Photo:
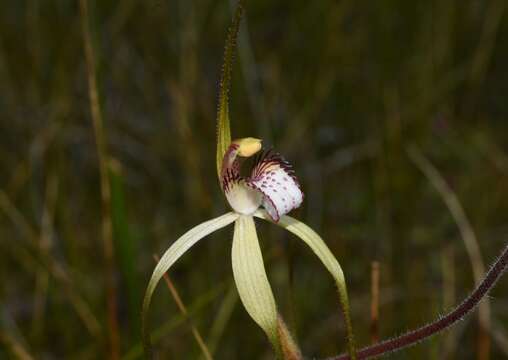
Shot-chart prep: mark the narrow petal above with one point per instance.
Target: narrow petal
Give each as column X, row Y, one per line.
column 175, row 251
column 274, row 177
column 318, row 246
column 250, row 278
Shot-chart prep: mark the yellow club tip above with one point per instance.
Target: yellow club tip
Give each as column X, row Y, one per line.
column 248, row 146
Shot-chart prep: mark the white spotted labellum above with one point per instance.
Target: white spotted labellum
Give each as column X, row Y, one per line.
column 272, row 182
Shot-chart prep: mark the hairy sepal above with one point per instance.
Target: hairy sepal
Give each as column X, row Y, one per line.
column 223, row 124
column 318, row 246
column 251, row 279
column 175, row 251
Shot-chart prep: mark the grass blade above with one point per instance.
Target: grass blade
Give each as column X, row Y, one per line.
column 126, row 246
column 102, row 151
column 223, row 316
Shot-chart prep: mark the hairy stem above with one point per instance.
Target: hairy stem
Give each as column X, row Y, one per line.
column 412, row 337
column 468, row 236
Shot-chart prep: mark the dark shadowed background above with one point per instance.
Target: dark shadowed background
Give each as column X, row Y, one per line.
column 375, row 103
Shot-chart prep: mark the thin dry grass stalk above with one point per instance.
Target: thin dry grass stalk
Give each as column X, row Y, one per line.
column 374, row 304
column 42, row 279
column 48, row 265
column 468, row 236
column 181, row 306
column 107, row 226
column 16, row 348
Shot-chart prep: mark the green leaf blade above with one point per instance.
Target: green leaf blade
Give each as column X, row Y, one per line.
column 126, row 246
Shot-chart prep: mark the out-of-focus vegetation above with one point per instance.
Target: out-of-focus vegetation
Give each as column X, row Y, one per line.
column 342, row 88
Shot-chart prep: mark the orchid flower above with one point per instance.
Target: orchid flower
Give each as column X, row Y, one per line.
column 269, row 192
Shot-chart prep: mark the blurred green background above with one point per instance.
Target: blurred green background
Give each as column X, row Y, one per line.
column 341, row 88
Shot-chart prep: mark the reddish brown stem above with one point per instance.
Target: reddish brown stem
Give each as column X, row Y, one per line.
column 374, row 302
column 412, row 337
